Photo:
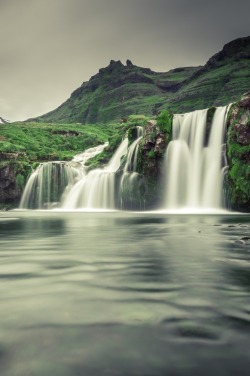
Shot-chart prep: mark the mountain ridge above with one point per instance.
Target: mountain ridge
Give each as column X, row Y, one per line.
column 120, row 90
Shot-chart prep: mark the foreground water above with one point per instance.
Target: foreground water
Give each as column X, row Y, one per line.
column 124, row 294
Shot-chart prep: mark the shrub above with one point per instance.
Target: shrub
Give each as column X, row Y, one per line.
column 164, row 121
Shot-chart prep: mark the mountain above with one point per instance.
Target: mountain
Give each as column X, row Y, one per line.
column 119, row 90
column 2, row 121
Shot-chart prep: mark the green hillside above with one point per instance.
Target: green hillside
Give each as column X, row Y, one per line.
column 119, row 90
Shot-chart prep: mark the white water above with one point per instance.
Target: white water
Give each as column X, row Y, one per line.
column 129, row 177
column 96, row 190
column 195, row 166
column 87, row 154
column 194, row 172
column 47, row 184
column 51, row 181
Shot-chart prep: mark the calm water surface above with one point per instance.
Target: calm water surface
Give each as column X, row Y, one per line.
column 124, row 294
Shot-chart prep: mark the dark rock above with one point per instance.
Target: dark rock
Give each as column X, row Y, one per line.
column 12, row 156
column 160, row 144
column 238, row 154
column 129, row 63
column 9, row 191
column 245, row 100
column 151, row 131
column 67, row 133
column 151, row 156
column 242, row 133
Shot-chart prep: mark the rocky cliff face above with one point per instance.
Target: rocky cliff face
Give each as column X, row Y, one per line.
column 121, row 90
column 238, row 153
column 11, row 181
column 152, row 153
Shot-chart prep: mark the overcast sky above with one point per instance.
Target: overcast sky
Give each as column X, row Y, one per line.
column 49, row 47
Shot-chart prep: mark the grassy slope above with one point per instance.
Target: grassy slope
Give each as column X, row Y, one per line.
column 121, row 90
column 42, row 141
column 24, row 145
column 118, row 91
column 217, row 86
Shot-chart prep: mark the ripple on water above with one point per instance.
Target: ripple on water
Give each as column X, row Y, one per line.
column 19, row 270
column 188, row 329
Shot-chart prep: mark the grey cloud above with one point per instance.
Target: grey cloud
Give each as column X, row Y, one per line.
column 49, row 47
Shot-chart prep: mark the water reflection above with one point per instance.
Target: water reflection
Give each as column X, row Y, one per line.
column 123, row 293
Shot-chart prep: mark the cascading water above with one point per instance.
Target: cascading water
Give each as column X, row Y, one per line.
column 47, row 184
column 194, row 169
column 87, row 154
column 195, row 163
column 51, row 181
column 129, row 180
column 96, row 190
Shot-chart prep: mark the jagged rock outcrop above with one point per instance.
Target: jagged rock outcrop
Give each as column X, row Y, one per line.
column 238, row 153
column 152, row 150
column 157, row 135
column 2, row 121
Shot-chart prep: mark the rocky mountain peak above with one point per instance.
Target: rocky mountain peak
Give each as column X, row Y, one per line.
column 2, row 121
column 237, row 48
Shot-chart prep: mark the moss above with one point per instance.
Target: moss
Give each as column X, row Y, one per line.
column 164, row 121
column 151, row 153
column 20, row 181
column 238, row 179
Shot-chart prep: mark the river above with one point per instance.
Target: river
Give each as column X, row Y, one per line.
column 122, row 293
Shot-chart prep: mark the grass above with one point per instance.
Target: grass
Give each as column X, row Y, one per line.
column 42, row 141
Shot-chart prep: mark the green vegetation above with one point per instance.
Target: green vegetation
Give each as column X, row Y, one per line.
column 126, row 128
column 41, row 141
column 20, row 181
column 119, row 90
column 24, row 145
column 151, row 153
column 101, row 110
column 238, row 152
column 164, row 121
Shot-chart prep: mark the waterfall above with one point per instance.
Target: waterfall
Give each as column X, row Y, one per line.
column 47, row 184
column 129, row 180
column 82, row 158
column 96, row 190
column 51, row 181
column 195, row 165
column 194, row 168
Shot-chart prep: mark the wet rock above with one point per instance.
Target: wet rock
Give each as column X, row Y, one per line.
column 245, row 100
column 9, row 191
column 150, row 135
column 243, row 130
column 238, row 155
column 151, row 157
